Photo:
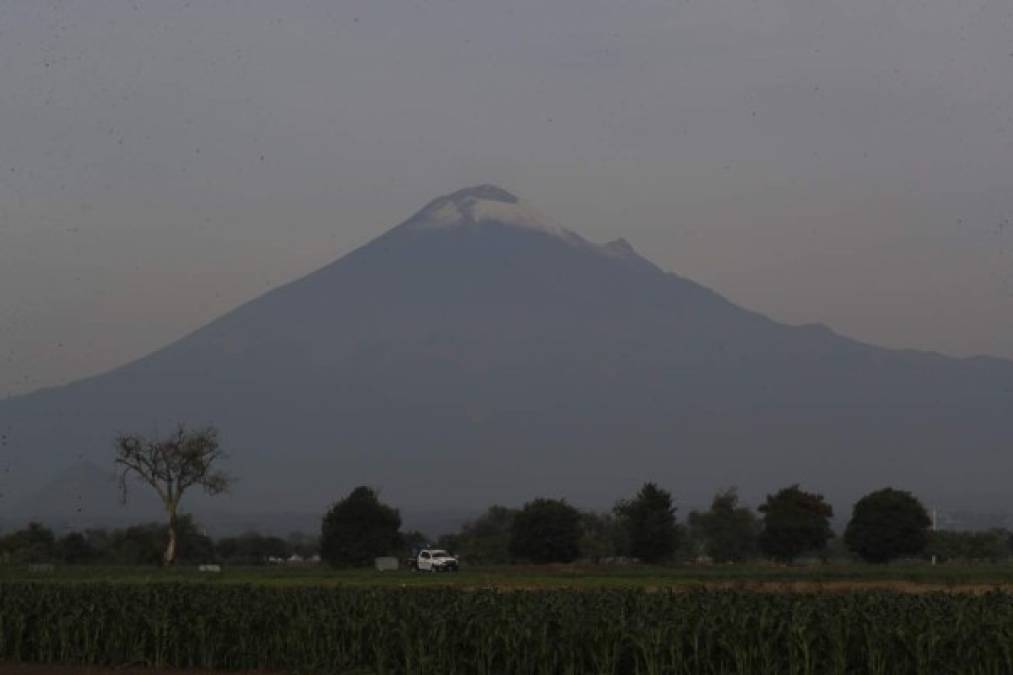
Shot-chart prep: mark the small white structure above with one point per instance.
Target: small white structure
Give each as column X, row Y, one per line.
column 214, row 569
column 386, row 564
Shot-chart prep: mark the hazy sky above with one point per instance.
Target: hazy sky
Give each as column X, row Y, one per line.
column 846, row 162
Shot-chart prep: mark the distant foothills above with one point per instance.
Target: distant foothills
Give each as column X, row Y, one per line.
column 480, row 354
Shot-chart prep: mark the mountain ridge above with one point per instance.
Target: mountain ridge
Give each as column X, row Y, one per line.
column 496, row 360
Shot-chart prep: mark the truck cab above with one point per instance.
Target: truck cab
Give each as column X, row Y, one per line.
column 435, row 560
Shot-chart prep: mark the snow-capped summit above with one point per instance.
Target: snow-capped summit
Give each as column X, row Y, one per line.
column 486, row 361
column 490, row 204
column 483, row 204
column 486, row 192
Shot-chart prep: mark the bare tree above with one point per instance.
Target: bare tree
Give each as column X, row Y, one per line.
column 171, row 466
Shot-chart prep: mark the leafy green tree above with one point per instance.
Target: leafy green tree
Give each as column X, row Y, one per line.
column 602, row 536
column 887, row 524
column 137, row 545
column 302, row 544
column 448, row 542
column 34, row 544
column 412, row 541
column 144, row 544
column 728, row 532
column 251, row 548
column 794, row 522
column 981, row 545
column 196, row 547
column 75, row 549
column 546, row 531
column 485, row 540
column 648, row 519
column 358, row 529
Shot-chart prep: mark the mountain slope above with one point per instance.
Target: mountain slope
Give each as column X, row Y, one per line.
column 479, row 353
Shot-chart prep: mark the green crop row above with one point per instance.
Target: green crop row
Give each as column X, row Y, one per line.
column 447, row 631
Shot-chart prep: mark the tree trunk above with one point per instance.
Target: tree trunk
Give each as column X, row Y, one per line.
column 169, row 558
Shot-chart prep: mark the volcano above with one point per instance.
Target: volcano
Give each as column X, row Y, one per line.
column 479, row 353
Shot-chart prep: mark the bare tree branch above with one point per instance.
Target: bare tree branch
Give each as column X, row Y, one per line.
column 171, row 466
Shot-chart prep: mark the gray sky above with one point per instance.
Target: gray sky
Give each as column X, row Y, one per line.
column 849, row 163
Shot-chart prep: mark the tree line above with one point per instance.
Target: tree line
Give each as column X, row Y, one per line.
column 144, row 544
column 885, row 525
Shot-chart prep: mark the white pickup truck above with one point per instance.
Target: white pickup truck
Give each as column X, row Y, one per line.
column 434, row 560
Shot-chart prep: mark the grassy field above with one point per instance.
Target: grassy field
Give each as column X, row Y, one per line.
column 832, row 577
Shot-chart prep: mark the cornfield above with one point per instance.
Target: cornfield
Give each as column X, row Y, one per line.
column 446, row 631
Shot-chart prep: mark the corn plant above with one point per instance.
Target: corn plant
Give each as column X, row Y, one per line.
column 423, row 631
